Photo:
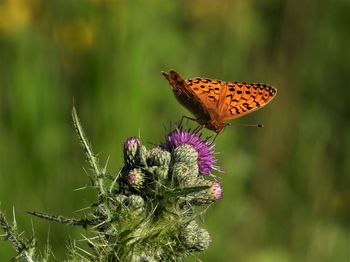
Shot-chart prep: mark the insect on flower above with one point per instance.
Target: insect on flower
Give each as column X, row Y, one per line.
column 213, row 102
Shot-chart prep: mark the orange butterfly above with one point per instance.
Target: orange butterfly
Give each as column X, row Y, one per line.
column 213, row 101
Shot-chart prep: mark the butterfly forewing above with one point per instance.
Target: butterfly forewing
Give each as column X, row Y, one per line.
column 208, row 91
column 187, row 96
column 242, row 98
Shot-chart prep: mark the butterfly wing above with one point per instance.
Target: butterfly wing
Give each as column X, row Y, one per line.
column 209, row 92
column 215, row 101
column 242, row 98
column 187, row 96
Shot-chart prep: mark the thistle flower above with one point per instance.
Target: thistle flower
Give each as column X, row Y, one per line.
column 206, row 159
column 147, row 212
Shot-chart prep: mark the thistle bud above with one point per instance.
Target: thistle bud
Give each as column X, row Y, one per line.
column 135, row 178
column 207, row 196
column 120, row 199
column 142, row 258
column 131, row 147
column 195, row 238
column 159, row 157
column 189, row 235
column 186, row 154
column 161, row 173
column 204, row 240
column 142, row 155
column 135, row 202
column 215, row 191
column 185, row 174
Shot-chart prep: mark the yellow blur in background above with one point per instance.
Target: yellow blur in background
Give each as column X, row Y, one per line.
column 286, row 185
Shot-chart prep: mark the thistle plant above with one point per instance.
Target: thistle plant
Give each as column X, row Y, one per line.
column 149, row 210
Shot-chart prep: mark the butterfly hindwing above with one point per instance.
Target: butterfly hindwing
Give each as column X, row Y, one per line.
column 207, row 90
column 187, row 96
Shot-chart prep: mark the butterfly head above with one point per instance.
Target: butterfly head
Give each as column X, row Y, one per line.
column 215, row 126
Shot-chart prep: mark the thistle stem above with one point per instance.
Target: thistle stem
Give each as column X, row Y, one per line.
column 90, row 156
column 20, row 246
column 63, row 220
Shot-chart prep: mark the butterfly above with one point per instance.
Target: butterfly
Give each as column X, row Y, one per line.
column 213, row 102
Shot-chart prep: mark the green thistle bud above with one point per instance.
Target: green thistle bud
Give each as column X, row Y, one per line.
column 142, row 155
column 135, row 202
column 120, row 199
column 135, row 178
column 204, row 240
column 185, row 174
column 161, row 173
column 195, row 238
column 159, row 157
column 186, row 154
column 142, row 258
column 188, row 235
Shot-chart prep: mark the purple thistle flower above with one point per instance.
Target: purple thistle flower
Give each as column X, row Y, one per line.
column 206, row 159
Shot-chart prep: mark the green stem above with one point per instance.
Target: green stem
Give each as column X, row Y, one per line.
column 91, row 158
column 20, row 246
column 64, row 220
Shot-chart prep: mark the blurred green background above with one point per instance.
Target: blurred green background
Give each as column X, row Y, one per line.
column 287, row 195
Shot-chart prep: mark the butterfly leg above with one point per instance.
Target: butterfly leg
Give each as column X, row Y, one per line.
column 212, row 142
column 187, row 117
column 198, row 129
column 217, row 133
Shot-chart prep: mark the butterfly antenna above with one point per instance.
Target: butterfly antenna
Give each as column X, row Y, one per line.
column 243, row 124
